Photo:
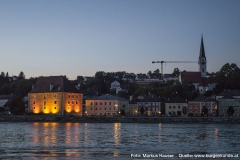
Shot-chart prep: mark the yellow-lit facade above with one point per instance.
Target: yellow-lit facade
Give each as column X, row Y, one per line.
column 55, row 103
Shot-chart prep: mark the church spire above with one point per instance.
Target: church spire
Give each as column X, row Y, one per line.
column 202, row 51
column 202, row 60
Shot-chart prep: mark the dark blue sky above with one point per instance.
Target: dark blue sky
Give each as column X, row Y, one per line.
column 78, row 37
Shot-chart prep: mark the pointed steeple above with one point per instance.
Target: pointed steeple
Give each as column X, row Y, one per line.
column 202, row 51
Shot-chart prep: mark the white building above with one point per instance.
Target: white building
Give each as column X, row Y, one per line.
column 115, row 85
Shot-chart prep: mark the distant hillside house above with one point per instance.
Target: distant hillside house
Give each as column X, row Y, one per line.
column 55, row 95
column 4, row 99
column 115, row 85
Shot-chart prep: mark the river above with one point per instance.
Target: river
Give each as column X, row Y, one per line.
column 40, row 140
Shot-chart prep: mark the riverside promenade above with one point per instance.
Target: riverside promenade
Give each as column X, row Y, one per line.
column 125, row 119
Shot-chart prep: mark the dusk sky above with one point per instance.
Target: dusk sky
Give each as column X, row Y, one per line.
column 81, row 37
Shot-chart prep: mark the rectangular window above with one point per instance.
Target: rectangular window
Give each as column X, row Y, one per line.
column 96, row 108
column 91, row 108
column 55, row 102
column 105, row 108
column 76, row 102
column 72, row 96
column 44, row 102
column 174, row 107
column 170, row 107
column 109, row 103
column 100, row 103
column 105, row 103
column 55, row 107
column 33, row 102
column 44, row 108
column 68, row 102
column 109, row 108
column 69, row 96
column 33, row 107
column 76, row 96
column 178, row 106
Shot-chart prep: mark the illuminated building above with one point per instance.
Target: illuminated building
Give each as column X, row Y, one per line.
column 55, row 95
column 106, row 105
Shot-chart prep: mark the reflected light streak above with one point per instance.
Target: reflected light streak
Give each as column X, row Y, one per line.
column 117, row 129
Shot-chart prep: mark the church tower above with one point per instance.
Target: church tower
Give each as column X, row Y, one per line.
column 202, row 61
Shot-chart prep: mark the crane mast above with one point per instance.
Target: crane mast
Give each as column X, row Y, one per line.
column 171, row 62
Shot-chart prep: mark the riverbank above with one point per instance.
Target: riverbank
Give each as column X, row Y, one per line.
column 137, row 119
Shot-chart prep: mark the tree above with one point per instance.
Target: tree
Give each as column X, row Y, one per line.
column 21, row 75
column 17, row 106
column 2, row 74
column 230, row 111
column 176, row 72
column 156, row 71
column 141, row 110
column 204, row 111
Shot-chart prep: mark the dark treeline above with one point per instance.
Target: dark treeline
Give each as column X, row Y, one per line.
column 227, row 78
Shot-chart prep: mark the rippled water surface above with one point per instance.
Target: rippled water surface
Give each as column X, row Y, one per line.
column 114, row 140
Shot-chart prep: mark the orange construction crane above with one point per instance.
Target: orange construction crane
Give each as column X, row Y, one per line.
column 171, row 62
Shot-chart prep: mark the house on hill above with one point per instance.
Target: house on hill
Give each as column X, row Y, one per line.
column 55, row 95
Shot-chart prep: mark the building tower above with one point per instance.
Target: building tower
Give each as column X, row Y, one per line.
column 202, row 61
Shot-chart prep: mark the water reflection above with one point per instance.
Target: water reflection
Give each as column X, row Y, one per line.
column 118, row 140
column 117, row 132
column 216, row 133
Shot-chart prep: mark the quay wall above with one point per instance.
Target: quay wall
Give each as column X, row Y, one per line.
column 137, row 119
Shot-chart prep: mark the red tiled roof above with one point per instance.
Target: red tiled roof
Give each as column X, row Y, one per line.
column 193, row 77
